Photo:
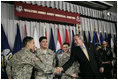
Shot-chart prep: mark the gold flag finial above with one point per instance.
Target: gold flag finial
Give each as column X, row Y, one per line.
column 95, row 28
column 78, row 25
column 79, row 30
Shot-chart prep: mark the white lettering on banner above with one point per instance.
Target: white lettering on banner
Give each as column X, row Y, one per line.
column 44, row 13
column 30, row 11
column 59, row 15
column 34, row 11
column 51, row 14
column 27, row 10
column 70, row 17
column 41, row 12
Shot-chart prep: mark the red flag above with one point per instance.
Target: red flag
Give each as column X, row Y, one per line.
column 25, row 31
column 67, row 38
column 45, row 32
column 59, row 43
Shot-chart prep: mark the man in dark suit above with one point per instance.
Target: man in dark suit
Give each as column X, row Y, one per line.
column 106, row 57
column 86, row 55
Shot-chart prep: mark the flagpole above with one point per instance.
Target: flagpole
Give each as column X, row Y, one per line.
column 95, row 29
column 78, row 25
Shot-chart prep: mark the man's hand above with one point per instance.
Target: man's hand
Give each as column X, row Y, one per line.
column 109, row 62
column 74, row 75
column 101, row 69
column 58, row 70
column 36, row 59
column 103, row 62
column 10, row 78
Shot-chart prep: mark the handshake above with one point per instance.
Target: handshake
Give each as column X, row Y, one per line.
column 59, row 70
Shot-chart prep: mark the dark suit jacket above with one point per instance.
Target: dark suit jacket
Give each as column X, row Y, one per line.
column 88, row 69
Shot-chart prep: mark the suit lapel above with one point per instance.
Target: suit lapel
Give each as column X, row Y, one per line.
column 83, row 55
column 89, row 51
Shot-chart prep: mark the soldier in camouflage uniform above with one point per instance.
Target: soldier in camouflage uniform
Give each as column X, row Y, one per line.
column 72, row 72
column 48, row 58
column 22, row 63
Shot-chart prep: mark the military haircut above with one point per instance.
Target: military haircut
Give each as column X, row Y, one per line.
column 66, row 43
column 41, row 38
column 26, row 39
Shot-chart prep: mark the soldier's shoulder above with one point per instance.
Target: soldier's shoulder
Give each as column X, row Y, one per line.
column 51, row 51
column 22, row 51
column 18, row 53
column 63, row 55
column 38, row 50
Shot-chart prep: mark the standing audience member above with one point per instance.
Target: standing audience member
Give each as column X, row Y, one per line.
column 106, row 56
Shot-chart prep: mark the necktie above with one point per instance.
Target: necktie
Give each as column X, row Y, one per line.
column 85, row 52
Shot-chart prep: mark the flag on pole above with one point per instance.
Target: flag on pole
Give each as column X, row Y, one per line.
column 67, row 38
column 115, row 39
column 85, row 39
column 95, row 38
column 110, row 41
column 36, row 39
column 101, row 39
column 18, row 42
column 89, row 37
column 45, row 31
column 73, row 44
column 59, row 45
column 106, row 38
column 52, row 43
column 6, row 53
column 25, row 31
column 5, row 45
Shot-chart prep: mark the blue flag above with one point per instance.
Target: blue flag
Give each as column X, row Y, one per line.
column 115, row 39
column 85, row 39
column 18, row 42
column 89, row 37
column 95, row 38
column 73, row 44
column 52, row 43
column 101, row 39
column 6, row 53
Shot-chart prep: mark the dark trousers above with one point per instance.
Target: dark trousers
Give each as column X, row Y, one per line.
column 107, row 71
